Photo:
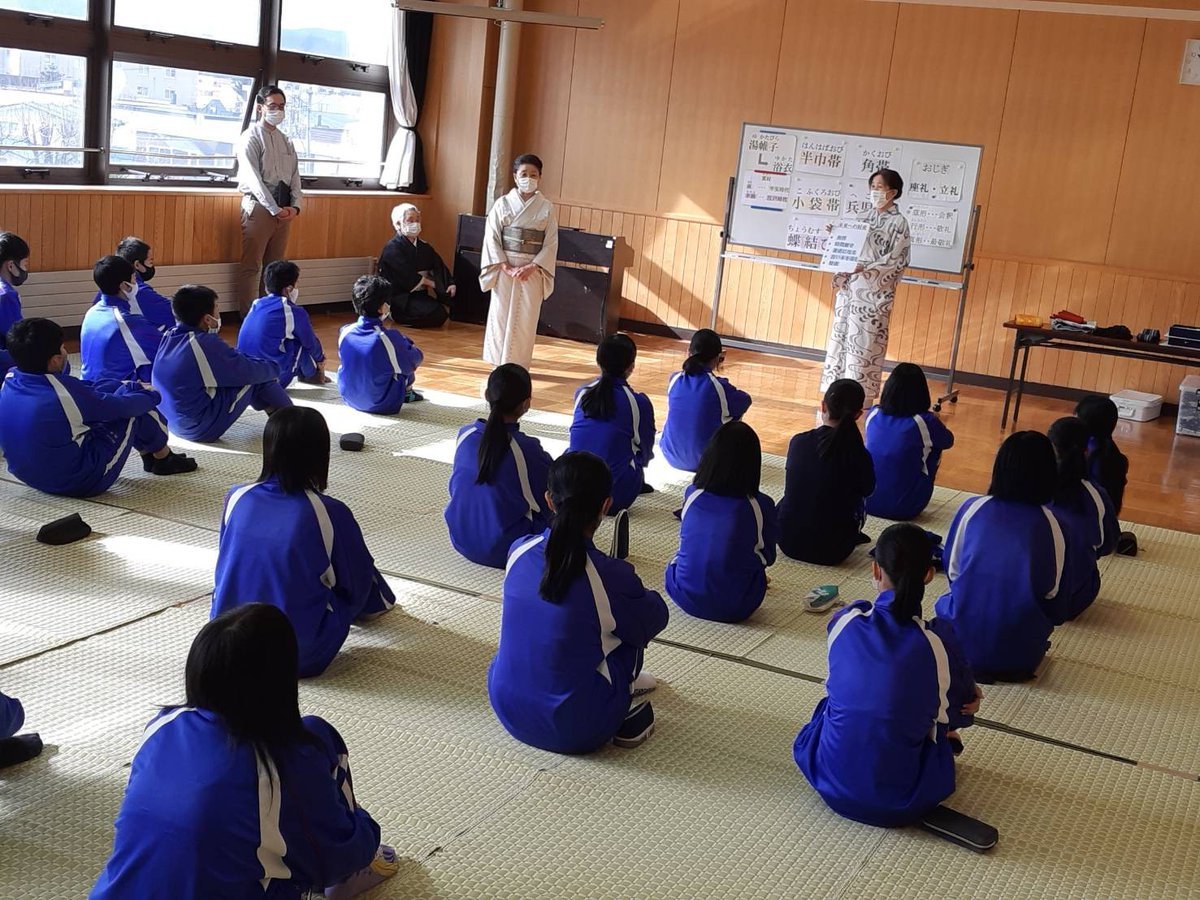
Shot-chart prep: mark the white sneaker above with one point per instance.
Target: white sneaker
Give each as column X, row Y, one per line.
column 643, row 684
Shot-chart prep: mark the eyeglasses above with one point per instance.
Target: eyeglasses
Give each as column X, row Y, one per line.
column 274, row 107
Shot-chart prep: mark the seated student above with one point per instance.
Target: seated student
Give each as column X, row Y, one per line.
column 905, row 439
column 498, row 483
column 829, row 475
column 15, row 748
column 728, row 531
column 378, row 364
column 1107, row 465
column 614, row 422
column 235, row 794
column 422, row 287
column 316, row 566
column 71, row 437
column 880, row 747
column 279, row 330
column 14, row 269
column 1005, row 562
column 574, row 627
column 699, row 402
column 1089, row 522
column 206, row 384
column 143, row 299
column 116, row 343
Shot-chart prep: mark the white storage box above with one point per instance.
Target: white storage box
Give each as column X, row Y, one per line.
column 1188, row 421
column 1138, row 406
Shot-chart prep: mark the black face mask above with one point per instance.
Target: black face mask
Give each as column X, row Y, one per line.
column 148, row 272
column 18, row 279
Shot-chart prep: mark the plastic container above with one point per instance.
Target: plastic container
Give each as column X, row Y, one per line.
column 1188, row 421
column 1138, row 406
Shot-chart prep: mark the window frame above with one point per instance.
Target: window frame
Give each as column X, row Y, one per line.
column 102, row 43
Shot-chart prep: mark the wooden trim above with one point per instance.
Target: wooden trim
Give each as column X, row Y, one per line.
column 1079, row 9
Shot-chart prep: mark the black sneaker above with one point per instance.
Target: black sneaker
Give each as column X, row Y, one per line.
column 1127, row 544
column 863, row 538
column 620, row 541
column 19, row 749
column 171, row 464
column 413, row 396
column 646, row 488
column 637, row 727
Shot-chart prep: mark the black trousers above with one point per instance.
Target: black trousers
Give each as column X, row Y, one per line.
column 419, row 310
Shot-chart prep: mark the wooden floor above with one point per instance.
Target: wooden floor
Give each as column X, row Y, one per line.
column 1164, row 477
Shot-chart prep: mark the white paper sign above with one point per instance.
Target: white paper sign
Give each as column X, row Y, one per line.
column 807, row 234
column 936, row 179
column 767, row 190
column 771, row 151
column 933, row 226
column 856, row 201
column 821, row 157
column 845, row 246
column 870, row 158
column 816, row 196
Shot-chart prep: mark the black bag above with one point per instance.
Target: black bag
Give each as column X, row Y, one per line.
column 282, row 194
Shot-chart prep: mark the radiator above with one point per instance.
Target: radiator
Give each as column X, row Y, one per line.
column 66, row 296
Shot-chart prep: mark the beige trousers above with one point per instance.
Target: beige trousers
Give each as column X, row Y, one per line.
column 264, row 240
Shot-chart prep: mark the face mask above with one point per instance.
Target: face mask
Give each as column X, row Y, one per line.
column 879, row 199
column 385, row 312
column 274, row 116
column 527, row 185
column 17, row 275
column 132, row 293
column 410, row 229
column 294, row 295
column 148, row 272
column 216, row 327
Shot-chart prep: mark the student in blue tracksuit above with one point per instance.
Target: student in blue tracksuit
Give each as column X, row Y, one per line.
column 880, row 747
column 66, row 436
column 699, row 402
column 206, row 384
column 235, row 794
column 15, row 748
column 575, row 624
column 12, row 716
column 14, row 269
column 728, row 531
column 143, row 299
column 1005, row 560
column 829, row 476
column 116, row 344
column 276, row 328
column 1089, row 522
column 614, row 422
column 378, row 365
column 905, row 439
column 1107, row 465
column 498, row 483
column 315, row 566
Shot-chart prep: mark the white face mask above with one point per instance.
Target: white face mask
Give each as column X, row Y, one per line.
column 294, row 294
column 216, row 327
column 132, row 293
column 879, row 199
column 274, row 116
column 527, row 184
column 385, row 312
column 410, row 229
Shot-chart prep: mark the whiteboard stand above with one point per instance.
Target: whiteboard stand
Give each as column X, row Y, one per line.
column 960, row 286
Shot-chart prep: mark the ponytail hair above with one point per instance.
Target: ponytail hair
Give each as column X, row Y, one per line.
column 508, row 387
column 844, row 400
column 1099, row 414
column 703, row 351
column 905, row 554
column 578, row 484
column 615, row 357
column 1069, row 436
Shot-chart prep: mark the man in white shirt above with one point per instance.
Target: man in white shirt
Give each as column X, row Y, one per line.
column 269, row 180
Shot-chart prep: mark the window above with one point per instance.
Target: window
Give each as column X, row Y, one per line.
column 67, row 9
column 336, row 131
column 187, row 118
column 41, row 107
column 359, row 29
column 233, row 21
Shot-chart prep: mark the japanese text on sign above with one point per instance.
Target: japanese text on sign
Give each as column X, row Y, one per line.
column 772, row 151
column 871, row 158
column 818, row 196
column 821, row 157
column 933, row 226
column 845, row 246
column 806, row 234
column 937, row 180
column 767, row 190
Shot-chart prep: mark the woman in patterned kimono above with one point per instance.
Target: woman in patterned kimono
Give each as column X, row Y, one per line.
column 520, row 247
column 858, row 339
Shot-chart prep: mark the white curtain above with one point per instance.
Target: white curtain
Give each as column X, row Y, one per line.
column 402, row 153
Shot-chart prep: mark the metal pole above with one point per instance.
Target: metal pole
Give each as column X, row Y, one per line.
column 951, row 393
column 506, row 101
column 716, row 302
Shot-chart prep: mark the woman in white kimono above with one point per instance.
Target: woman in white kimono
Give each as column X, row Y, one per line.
column 520, row 247
column 861, row 314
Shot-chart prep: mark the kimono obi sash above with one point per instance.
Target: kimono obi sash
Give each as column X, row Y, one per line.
column 523, row 240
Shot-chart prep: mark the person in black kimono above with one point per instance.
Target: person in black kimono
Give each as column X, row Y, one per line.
column 422, row 286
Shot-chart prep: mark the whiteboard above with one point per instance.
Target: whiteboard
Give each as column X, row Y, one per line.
column 792, row 182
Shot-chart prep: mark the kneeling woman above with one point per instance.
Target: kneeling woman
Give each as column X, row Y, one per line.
column 285, row 543
column 880, row 747
column 728, row 532
column 574, row 627
column 236, row 795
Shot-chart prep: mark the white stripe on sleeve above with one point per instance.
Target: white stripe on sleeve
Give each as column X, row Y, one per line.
column 523, row 477
column 926, row 443
column 328, row 578
column 1060, row 550
column 235, row 497
column 70, row 409
column 760, row 543
column 131, row 344
column 688, row 503
column 942, row 661
column 847, row 617
column 390, row 351
column 1099, row 502
column 205, row 367
column 721, row 398
column 953, row 567
column 608, row 640
column 271, row 845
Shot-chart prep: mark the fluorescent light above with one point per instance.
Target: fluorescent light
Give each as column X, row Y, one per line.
column 521, row 17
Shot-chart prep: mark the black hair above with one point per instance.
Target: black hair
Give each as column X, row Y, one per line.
column 267, row 90
column 906, row 392
column 133, row 249
column 892, row 179
column 615, row 356
column 527, row 159
column 1099, row 414
column 193, row 302
column 282, row 273
column 33, row 342
column 1108, row 463
column 1025, row 470
column 1069, row 436
column 244, row 666
column 370, row 293
column 905, row 554
column 578, row 483
column 844, row 399
column 731, row 465
column 12, row 248
column 110, row 272
column 296, row 449
column 703, row 350
column 508, row 387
